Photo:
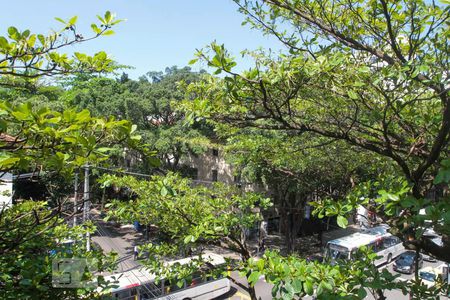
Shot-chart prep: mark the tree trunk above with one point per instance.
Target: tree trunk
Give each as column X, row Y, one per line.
column 245, row 255
column 380, row 295
column 288, row 236
column 292, row 218
column 262, row 235
column 102, row 205
column 252, row 293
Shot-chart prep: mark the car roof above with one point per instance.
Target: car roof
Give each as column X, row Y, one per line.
column 408, row 253
column 428, row 269
column 141, row 275
column 358, row 239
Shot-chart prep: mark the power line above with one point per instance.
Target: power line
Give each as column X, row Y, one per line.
column 122, row 171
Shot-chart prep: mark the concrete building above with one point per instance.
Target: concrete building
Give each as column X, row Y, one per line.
column 210, row 167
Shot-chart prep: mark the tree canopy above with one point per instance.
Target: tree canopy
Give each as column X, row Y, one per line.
column 371, row 73
column 35, row 137
column 190, row 217
column 150, row 104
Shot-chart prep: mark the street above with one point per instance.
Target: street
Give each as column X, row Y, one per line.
column 122, row 239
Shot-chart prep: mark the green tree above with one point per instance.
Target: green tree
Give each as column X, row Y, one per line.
column 371, row 73
column 190, row 217
column 293, row 277
column 167, row 129
column 32, row 237
column 148, row 103
column 297, row 170
column 36, row 137
column 28, row 55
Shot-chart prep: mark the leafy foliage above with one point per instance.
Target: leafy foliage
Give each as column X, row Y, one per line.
column 30, row 55
column 59, row 141
column 189, row 216
column 150, row 103
column 370, row 73
column 293, row 277
column 36, row 137
column 27, row 250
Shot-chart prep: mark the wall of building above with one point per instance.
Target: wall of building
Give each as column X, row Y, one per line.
column 6, row 189
column 207, row 163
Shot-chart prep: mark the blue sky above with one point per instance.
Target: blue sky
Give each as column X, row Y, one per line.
column 157, row 33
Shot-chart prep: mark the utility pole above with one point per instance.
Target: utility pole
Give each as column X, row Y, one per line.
column 86, row 206
column 75, row 196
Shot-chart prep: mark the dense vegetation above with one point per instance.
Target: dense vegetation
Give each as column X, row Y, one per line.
column 354, row 113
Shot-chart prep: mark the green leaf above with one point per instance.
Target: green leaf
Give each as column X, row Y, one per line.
column 297, row 285
column 327, row 285
column 308, row 287
column 153, row 161
column 108, row 16
column 108, row 32
column 289, row 291
column 319, row 290
column 364, row 69
column 8, row 162
column 352, row 94
column 41, row 39
column 101, row 20
column 95, row 28
column 12, row 31
column 32, row 40
column 180, row 283
column 26, row 282
column 359, row 84
column 105, row 149
column 60, row 20
column 188, row 239
column 342, row 221
column 253, row 278
column 362, row 293
column 3, row 42
column 73, row 20
column 408, row 202
column 260, row 263
column 83, row 116
column 3, row 125
column 164, row 191
column 192, row 61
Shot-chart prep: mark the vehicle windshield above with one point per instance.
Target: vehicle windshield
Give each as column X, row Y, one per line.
column 335, row 254
column 405, row 260
column 427, row 276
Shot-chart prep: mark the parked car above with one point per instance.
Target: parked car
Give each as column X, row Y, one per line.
column 430, row 275
column 405, row 262
column 438, row 241
column 429, row 258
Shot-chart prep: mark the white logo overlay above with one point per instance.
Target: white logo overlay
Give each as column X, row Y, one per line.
column 74, row 273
